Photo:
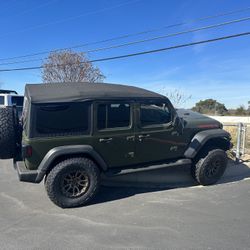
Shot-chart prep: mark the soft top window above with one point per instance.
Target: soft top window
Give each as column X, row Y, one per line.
column 62, row 119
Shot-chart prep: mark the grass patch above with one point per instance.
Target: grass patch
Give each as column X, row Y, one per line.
column 232, row 130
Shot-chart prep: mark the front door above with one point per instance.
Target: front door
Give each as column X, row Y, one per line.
column 156, row 138
column 114, row 137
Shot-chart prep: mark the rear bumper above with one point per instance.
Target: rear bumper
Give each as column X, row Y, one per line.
column 25, row 174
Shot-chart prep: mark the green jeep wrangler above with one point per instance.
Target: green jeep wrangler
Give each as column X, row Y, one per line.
column 71, row 133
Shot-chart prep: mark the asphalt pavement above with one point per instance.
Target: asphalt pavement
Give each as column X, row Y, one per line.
column 154, row 210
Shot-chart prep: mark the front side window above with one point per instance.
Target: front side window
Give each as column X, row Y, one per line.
column 154, row 114
column 113, row 115
column 62, row 119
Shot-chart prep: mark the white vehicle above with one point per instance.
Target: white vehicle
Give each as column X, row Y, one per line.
column 11, row 98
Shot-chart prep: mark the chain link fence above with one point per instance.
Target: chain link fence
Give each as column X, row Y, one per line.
column 240, row 138
column 247, row 140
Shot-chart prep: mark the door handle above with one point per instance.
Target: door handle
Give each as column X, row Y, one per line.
column 107, row 140
column 141, row 137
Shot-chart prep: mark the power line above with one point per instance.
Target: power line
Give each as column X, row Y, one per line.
column 172, row 47
column 143, row 40
column 139, row 53
column 131, row 34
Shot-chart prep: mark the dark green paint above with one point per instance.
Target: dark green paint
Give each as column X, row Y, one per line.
column 159, row 142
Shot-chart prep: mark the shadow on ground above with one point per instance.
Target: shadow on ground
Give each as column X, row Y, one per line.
column 115, row 188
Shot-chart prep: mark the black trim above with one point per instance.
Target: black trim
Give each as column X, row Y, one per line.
column 36, row 176
column 204, row 136
column 147, row 167
column 24, row 174
column 68, row 150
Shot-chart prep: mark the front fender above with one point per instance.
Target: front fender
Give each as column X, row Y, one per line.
column 201, row 138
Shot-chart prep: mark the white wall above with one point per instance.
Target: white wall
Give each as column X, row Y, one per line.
column 232, row 119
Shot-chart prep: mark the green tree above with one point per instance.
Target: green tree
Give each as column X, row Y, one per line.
column 241, row 111
column 211, row 107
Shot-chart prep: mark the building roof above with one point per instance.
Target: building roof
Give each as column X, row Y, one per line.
column 74, row 92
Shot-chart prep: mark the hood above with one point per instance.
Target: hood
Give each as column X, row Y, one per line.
column 196, row 120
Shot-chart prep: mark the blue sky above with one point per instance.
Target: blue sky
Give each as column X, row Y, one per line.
column 218, row 70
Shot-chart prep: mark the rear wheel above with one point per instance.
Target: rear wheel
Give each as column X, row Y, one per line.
column 73, row 182
column 210, row 167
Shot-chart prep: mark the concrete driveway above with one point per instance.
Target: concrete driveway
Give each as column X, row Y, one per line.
column 173, row 215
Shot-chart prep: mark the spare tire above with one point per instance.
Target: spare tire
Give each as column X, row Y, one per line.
column 9, row 132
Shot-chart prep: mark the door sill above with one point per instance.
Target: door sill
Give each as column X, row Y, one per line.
column 128, row 170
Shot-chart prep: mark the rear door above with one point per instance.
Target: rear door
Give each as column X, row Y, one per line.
column 114, row 137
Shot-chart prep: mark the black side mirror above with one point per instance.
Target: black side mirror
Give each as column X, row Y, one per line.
column 178, row 124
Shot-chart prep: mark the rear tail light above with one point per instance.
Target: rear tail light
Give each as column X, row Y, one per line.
column 26, row 151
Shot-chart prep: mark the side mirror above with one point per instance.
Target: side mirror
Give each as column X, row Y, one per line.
column 178, row 124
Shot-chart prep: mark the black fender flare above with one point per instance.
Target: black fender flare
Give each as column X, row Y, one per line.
column 202, row 137
column 67, row 150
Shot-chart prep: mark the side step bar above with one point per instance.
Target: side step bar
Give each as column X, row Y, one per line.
column 118, row 171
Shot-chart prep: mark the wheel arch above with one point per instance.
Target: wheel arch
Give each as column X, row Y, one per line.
column 61, row 153
column 217, row 138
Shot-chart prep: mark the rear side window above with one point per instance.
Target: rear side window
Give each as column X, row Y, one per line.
column 113, row 115
column 62, row 119
column 1, row 100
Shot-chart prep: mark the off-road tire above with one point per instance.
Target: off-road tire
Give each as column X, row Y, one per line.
column 210, row 167
column 55, row 177
column 9, row 133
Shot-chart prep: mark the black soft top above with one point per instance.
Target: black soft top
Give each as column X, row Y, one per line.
column 75, row 92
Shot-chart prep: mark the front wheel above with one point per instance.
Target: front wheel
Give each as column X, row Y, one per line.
column 73, row 182
column 210, row 167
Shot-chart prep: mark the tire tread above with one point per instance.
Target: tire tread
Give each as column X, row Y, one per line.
column 52, row 175
column 8, row 130
column 199, row 168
